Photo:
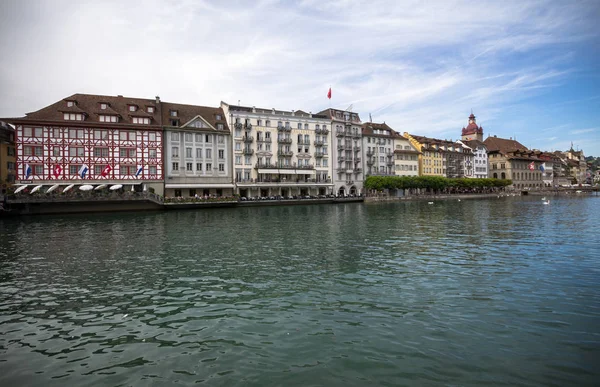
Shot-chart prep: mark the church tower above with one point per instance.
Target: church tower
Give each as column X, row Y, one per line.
column 472, row 131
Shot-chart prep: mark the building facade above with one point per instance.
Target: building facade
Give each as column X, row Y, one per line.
column 198, row 160
column 378, row 149
column 509, row 159
column 472, row 136
column 279, row 153
column 442, row 158
column 346, row 151
column 88, row 139
column 7, row 156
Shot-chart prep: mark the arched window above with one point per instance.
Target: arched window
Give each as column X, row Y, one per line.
column 495, row 175
column 503, row 175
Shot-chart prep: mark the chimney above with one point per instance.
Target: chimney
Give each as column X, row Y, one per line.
column 120, row 96
column 253, row 109
column 157, row 99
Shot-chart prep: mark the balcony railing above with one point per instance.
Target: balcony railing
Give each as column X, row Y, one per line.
column 284, row 140
column 266, row 140
column 303, row 142
column 341, row 158
column 357, row 170
column 248, row 126
column 339, row 133
column 319, row 142
column 321, row 131
column 247, row 151
column 284, row 128
column 357, row 159
column 356, row 135
column 248, row 138
column 370, row 162
column 238, row 125
column 283, row 166
column 350, row 182
column 285, row 153
column 357, row 148
column 370, row 153
column 320, row 154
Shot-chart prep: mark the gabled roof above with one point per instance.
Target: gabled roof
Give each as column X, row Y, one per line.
column 186, row 113
column 474, row 143
column 503, row 145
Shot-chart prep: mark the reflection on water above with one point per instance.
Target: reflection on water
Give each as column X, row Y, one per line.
column 501, row 292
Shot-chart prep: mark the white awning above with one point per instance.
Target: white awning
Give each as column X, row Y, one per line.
column 198, row 185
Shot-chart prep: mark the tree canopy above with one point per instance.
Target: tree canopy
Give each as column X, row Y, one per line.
column 432, row 182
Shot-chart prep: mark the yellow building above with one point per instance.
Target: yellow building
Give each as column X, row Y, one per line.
column 431, row 159
column 7, row 156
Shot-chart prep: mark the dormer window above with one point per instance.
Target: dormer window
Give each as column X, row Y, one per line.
column 174, row 122
column 107, row 118
column 173, row 113
column 70, row 103
column 103, row 106
column 218, row 117
column 150, row 109
column 132, row 108
column 141, row 120
column 73, row 116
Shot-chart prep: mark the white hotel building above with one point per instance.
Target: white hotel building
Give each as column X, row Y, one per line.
column 279, row 153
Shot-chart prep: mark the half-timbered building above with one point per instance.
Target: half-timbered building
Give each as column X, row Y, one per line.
column 92, row 139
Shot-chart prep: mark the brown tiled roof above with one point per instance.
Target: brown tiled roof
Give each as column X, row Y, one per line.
column 185, row 113
column 502, row 145
column 331, row 114
column 368, row 129
column 258, row 110
column 90, row 105
column 474, row 143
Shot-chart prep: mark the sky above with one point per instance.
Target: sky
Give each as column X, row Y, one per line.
column 528, row 70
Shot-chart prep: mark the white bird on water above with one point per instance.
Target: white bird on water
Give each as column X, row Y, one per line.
column 459, row 200
column 544, row 198
column 429, row 202
column 547, row 202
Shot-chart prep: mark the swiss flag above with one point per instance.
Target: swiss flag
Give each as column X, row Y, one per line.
column 106, row 170
column 532, row 166
column 329, row 93
column 57, row 170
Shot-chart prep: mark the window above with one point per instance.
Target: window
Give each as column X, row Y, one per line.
column 132, row 108
column 100, row 152
column 189, row 137
column 174, row 122
column 105, row 118
column 221, row 139
column 127, row 152
column 150, row 109
column 103, row 106
column 218, row 117
column 267, row 123
column 188, row 153
column 175, row 151
column 199, row 167
column 247, row 160
column 38, row 150
column 73, row 116
column 258, row 123
column 221, row 154
column 70, row 103
column 38, row 169
column 238, row 160
column 174, row 136
column 151, row 136
column 287, row 125
column 100, row 134
column 209, row 153
column 74, row 169
column 152, row 153
column 267, row 135
column 10, row 151
column 175, row 167
column 299, row 125
column 152, row 170
column 125, row 135
column 305, row 126
column 199, row 153
column 221, row 167
column 141, row 120
column 208, row 167
column 188, row 167
column 98, row 170
column 173, row 113
column 208, row 138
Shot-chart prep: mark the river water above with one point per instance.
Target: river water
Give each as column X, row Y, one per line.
column 503, row 291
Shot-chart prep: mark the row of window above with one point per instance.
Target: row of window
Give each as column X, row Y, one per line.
column 189, row 153
column 199, row 138
column 407, row 167
column 267, row 123
column 123, row 135
column 96, row 170
column 408, row 157
column 189, row 167
column 380, row 141
column 80, row 152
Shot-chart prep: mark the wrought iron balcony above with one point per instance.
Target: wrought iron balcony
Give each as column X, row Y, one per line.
column 357, row 148
column 350, row 182
column 303, row 142
column 285, row 153
column 248, row 138
column 357, row 170
column 321, row 131
column 284, row 129
column 266, row 140
column 248, row 126
column 357, row 159
column 339, row 133
column 341, row 158
column 284, row 140
column 370, row 162
column 390, row 162
column 238, row 125
column 370, row 153
column 320, row 154
column 248, row 151
column 356, row 135
column 319, row 142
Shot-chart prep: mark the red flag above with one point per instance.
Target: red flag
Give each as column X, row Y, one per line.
column 106, row 170
column 531, row 166
column 57, row 170
column 329, row 93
